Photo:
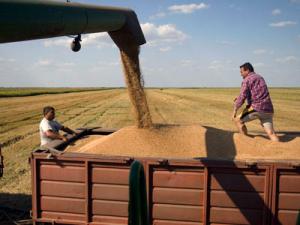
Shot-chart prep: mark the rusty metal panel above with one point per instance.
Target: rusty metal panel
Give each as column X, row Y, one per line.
column 288, row 201
column 286, row 194
column 232, row 199
column 237, row 181
column 62, row 189
column 178, row 179
column 62, row 216
column 238, row 195
column 110, row 208
column 177, row 212
column 287, row 217
column 104, row 220
column 80, row 191
column 64, row 205
column 110, row 175
column 61, row 172
column 210, row 192
column 110, row 192
column 175, row 194
column 235, row 216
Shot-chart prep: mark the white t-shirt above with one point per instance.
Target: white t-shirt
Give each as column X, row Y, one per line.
column 46, row 125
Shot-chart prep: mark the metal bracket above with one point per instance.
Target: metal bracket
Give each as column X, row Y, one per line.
column 129, row 160
column 163, row 162
column 295, row 165
column 52, row 152
column 251, row 164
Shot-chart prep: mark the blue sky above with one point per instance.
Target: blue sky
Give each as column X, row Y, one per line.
column 189, row 44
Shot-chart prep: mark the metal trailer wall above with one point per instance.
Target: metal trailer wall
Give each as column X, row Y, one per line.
column 75, row 188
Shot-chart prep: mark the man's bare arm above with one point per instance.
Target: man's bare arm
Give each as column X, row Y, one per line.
column 235, row 109
column 68, row 130
column 53, row 135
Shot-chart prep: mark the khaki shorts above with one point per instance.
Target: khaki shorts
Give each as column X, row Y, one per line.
column 266, row 119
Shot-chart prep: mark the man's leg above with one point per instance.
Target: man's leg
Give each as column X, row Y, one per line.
column 267, row 123
column 241, row 126
column 271, row 133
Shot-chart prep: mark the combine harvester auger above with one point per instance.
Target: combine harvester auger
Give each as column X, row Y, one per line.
column 22, row 20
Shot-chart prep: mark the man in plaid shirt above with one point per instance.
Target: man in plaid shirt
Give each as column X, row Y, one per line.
column 259, row 104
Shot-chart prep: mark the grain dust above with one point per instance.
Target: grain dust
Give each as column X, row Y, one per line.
column 129, row 51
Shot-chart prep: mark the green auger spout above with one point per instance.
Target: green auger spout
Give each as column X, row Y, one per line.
column 22, row 20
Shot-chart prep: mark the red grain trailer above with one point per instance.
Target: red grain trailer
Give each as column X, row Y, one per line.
column 78, row 188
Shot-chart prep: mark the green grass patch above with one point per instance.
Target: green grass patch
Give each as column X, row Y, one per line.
column 21, row 92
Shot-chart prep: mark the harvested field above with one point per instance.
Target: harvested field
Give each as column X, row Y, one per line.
column 20, row 116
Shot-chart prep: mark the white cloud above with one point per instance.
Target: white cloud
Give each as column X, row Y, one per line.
column 283, row 23
column 8, row 64
column 61, row 66
column 165, row 49
column 276, row 12
column 102, row 65
column 258, row 65
column 288, row 59
column 218, row 65
column 158, row 15
column 98, row 39
column 44, row 62
column 10, row 60
column 187, row 62
column 66, row 64
column 294, row 1
column 187, row 8
column 180, row 9
column 155, row 34
column 161, row 34
column 64, row 41
column 259, row 51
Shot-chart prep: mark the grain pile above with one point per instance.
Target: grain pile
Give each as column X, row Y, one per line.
column 189, row 141
column 82, row 142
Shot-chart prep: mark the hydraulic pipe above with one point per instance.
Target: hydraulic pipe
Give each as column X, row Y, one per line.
column 22, row 20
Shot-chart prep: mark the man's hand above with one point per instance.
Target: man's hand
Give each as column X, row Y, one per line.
column 233, row 115
column 54, row 135
column 64, row 138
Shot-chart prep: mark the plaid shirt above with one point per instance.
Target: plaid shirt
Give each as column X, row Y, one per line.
column 255, row 90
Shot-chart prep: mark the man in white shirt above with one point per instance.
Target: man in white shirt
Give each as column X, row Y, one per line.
column 49, row 127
